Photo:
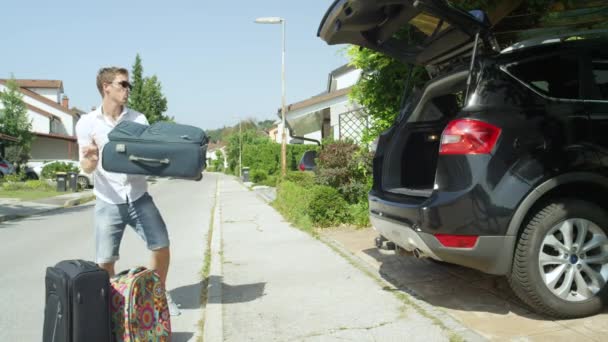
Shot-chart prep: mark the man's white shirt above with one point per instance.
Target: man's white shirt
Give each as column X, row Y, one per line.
column 111, row 187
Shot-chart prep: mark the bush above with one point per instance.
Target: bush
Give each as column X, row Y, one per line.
column 293, row 201
column 346, row 167
column 302, row 178
column 48, row 172
column 270, row 181
column 327, row 207
column 258, row 176
column 359, row 214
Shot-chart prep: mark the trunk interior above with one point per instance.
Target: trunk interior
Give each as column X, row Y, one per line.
column 410, row 161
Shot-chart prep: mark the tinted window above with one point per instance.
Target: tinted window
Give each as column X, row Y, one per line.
column 555, row 76
column 600, row 77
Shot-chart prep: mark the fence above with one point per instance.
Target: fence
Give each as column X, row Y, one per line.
column 351, row 125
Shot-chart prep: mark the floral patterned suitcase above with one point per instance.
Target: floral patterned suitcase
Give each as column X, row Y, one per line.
column 139, row 307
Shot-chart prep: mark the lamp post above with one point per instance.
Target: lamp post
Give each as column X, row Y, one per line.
column 278, row 20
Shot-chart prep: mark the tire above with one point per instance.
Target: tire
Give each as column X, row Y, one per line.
column 83, row 182
column 563, row 286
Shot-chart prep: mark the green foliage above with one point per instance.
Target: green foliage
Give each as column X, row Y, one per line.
column 15, row 122
column 258, row 176
column 137, row 80
column 305, row 179
column 327, row 207
column 346, row 167
column 292, row 202
column 27, row 185
column 48, row 172
column 15, row 177
column 359, row 214
column 270, row 181
column 146, row 96
column 218, row 163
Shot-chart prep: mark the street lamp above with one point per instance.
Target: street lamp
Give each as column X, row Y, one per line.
column 278, row 20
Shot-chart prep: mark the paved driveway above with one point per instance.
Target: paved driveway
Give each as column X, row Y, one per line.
column 482, row 302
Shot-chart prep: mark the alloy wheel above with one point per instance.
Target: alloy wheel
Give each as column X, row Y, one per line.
column 573, row 259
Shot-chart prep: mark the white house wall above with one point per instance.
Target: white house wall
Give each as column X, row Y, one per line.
column 40, row 123
column 66, row 126
column 51, row 94
column 348, row 79
column 314, row 135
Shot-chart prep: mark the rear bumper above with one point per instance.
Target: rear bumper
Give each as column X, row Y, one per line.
column 491, row 254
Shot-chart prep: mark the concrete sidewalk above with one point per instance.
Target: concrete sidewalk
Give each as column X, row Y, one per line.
column 272, row 282
column 11, row 209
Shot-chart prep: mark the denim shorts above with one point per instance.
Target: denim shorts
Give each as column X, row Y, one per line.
column 112, row 219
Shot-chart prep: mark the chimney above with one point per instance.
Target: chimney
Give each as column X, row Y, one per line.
column 65, row 102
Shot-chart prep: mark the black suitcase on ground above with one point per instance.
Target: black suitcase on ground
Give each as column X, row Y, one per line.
column 77, row 303
column 162, row 149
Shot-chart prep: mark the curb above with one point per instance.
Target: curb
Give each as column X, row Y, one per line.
column 214, row 323
column 69, row 203
column 449, row 322
column 77, row 201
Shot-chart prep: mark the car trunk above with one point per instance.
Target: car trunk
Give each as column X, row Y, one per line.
column 410, row 153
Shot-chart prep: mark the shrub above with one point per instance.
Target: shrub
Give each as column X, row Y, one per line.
column 346, row 167
column 48, row 172
column 327, row 207
column 359, row 214
column 258, row 176
column 27, row 185
column 293, row 201
column 302, row 178
column 270, row 181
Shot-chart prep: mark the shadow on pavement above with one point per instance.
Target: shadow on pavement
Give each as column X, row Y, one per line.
column 450, row 286
column 233, row 294
column 181, row 336
column 189, row 296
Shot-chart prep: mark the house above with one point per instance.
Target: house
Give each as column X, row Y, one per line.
column 331, row 113
column 276, row 132
column 53, row 123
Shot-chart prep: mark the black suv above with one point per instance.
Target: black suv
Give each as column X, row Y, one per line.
column 501, row 162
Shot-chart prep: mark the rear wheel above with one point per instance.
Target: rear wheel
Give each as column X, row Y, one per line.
column 560, row 266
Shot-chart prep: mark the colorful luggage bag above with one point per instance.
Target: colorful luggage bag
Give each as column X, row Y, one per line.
column 139, row 307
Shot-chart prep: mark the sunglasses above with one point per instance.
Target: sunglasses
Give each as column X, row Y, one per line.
column 125, row 85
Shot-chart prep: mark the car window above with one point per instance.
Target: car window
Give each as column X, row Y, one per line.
column 555, row 76
column 599, row 67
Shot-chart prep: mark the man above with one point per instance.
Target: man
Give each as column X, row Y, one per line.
column 121, row 199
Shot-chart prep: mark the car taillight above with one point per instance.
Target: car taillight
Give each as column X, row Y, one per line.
column 467, row 136
column 457, row 241
column 3, row 165
column 301, row 167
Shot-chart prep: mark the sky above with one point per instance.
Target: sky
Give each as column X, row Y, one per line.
column 216, row 66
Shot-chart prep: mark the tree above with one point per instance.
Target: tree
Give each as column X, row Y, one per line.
column 146, row 96
column 15, row 122
column 137, row 80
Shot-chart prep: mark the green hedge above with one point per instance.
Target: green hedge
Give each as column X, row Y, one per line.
column 48, row 172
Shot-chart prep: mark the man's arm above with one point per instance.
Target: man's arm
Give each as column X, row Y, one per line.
column 89, row 152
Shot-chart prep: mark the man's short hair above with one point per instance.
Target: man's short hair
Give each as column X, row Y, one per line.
column 107, row 75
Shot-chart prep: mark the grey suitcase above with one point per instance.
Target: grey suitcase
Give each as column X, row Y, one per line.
column 162, row 149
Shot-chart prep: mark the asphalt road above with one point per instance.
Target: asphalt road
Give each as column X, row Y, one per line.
column 30, row 245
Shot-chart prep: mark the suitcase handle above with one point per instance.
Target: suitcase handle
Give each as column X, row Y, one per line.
column 149, row 160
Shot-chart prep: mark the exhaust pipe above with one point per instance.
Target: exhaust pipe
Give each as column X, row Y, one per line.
column 419, row 254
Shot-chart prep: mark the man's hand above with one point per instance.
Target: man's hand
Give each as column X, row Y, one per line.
column 90, row 157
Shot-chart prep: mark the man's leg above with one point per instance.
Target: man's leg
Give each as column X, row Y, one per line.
column 160, row 263
column 108, row 267
column 110, row 223
column 149, row 224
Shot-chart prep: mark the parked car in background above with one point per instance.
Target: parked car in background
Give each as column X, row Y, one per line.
column 34, row 171
column 6, row 168
column 499, row 164
column 307, row 162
